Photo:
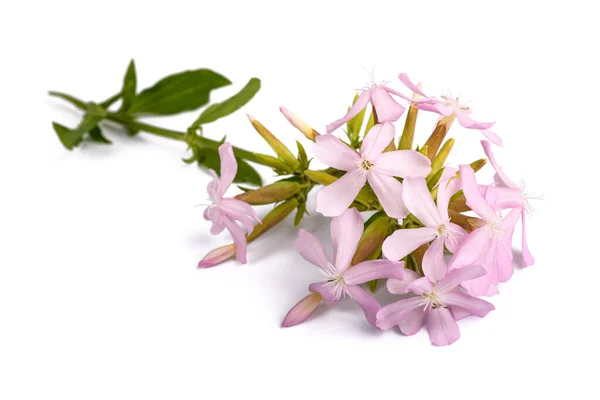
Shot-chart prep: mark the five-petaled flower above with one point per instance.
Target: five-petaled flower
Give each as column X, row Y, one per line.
column 448, row 106
column 341, row 279
column 438, row 227
column 374, row 165
column 436, row 302
column 225, row 212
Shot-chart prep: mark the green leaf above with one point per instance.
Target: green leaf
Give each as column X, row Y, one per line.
column 229, row 106
column 300, row 213
column 185, row 91
column 67, row 97
column 302, row 157
column 129, row 87
column 209, row 158
column 97, row 136
column 70, row 138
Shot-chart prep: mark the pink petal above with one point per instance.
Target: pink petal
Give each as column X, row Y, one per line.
column 492, row 137
column 527, row 257
column 420, row 286
column 456, row 237
column 367, row 302
column 396, row 286
column 418, row 200
column 459, row 313
column 403, row 163
column 311, row 249
column 487, row 148
column 446, row 189
column 412, row 322
column 474, row 198
column 213, row 187
column 456, row 277
column 301, row 311
column 440, row 108
column 393, row 314
column 377, row 140
column 217, row 256
column 470, row 304
column 333, row 152
column 405, row 241
column 324, row 289
column 228, row 168
column 213, row 214
column 240, row 211
column 346, row 230
column 434, row 265
column 442, row 327
column 333, row 199
column 239, row 238
column 404, row 79
column 472, row 249
column 389, row 193
column 357, row 107
column 374, row 269
column 465, row 121
column 387, row 109
column 501, row 197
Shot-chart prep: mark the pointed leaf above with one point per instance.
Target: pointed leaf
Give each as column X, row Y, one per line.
column 129, row 87
column 229, row 106
column 184, row 91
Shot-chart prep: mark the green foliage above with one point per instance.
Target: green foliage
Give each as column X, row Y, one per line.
column 185, row 91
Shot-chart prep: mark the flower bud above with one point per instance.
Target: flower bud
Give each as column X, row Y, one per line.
column 279, row 148
column 299, row 124
column 272, row 193
column 276, row 215
column 408, row 133
column 302, row 310
column 217, row 256
column 273, row 162
column 441, row 157
column 372, row 237
column 438, row 135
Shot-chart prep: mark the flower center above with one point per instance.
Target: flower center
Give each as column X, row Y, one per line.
column 454, row 103
column 366, row 165
column 433, row 300
column 337, row 285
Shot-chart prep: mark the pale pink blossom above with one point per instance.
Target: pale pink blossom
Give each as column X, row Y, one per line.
column 373, row 165
column 489, row 245
column 438, row 228
column 341, row 280
column 448, row 106
column 506, row 194
column 437, row 303
column 225, row 212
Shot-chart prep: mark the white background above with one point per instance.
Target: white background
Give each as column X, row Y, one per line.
column 99, row 294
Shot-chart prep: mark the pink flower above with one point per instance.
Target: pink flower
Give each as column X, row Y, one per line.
column 341, row 280
column 438, row 227
column 372, row 165
column 228, row 213
column 387, row 109
column 489, row 245
column 436, row 303
column 505, row 194
column 448, row 106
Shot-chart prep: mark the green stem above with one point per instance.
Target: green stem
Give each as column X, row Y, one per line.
column 198, row 141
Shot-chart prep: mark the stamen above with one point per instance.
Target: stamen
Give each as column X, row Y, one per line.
column 336, row 281
column 527, row 197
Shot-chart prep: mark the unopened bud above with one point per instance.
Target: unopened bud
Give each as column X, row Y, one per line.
column 273, row 162
column 278, row 147
column 276, row 215
column 408, row 133
column 299, row 124
column 272, row 193
column 438, row 135
column 217, row 256
column 301, row 311
column 372, row 237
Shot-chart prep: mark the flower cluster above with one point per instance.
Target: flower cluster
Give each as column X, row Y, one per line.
column 420, row 209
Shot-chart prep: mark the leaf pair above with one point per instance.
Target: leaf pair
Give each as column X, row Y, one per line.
column 71, row 138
